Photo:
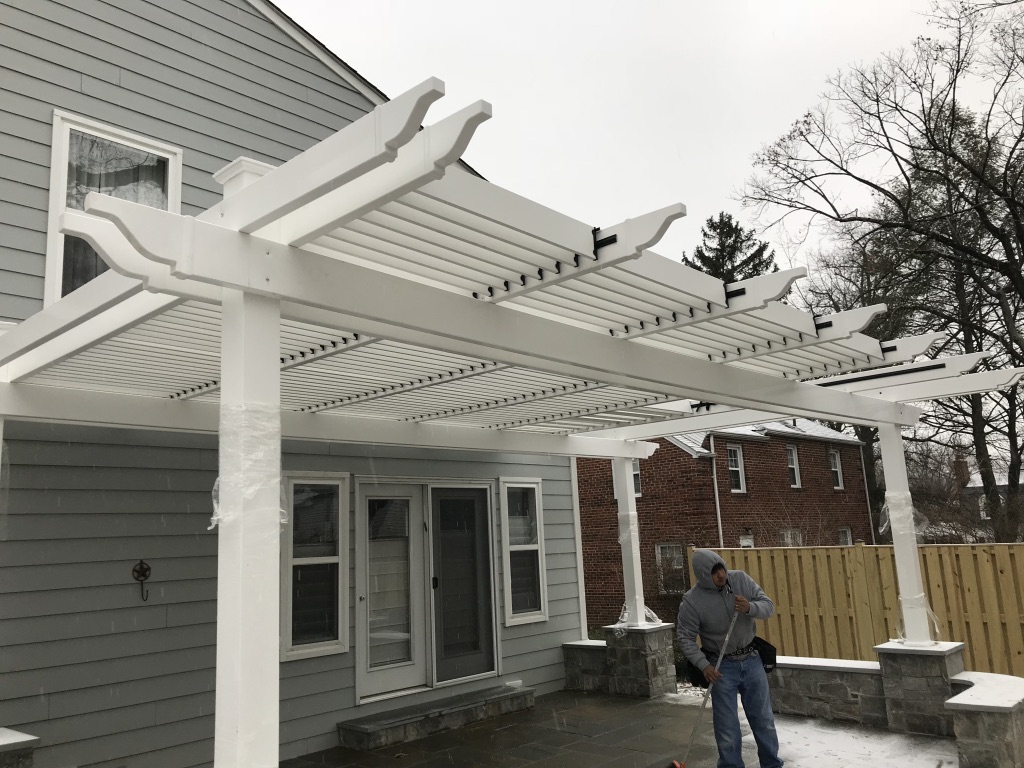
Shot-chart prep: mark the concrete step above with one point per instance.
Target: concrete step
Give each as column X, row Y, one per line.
column 398, row 726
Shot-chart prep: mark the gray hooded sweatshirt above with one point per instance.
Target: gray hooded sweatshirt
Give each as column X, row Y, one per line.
column 707, row 610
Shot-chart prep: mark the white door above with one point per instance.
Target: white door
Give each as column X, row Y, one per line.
column 391, row 593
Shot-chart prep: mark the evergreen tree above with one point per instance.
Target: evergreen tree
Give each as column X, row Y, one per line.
column 730, row 252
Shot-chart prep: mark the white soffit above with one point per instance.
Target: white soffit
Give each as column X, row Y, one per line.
column 381, row 198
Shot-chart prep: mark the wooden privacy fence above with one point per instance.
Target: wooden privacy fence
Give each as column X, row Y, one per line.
column 839, row 602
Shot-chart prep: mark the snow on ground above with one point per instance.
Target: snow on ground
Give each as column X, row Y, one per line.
column 808, row 743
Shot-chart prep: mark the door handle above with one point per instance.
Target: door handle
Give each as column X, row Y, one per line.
column 433, row 582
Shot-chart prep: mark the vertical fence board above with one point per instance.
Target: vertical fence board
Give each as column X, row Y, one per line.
column 840, row 602
column 991, row 610
column 977, row 646
column 1008, row 573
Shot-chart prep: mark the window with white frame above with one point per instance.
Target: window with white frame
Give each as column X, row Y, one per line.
column 845, row 537
column 636, row 477
column 836, row 465
column 791, row 537
column 314, row 573
column 88, row 156
column 671, row 563
column 747, row 540
column 793, row 465
column 737, row 480
column 522, row 539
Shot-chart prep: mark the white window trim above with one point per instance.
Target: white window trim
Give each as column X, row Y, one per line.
column 63, row 123
column 506, row 572
column 288, row 652
column 848, row 537
column 728, row 468
column 793, row 454
column 636, row 479
column 837, row 470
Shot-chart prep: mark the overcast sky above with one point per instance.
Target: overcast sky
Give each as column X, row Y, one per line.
column 606, row 110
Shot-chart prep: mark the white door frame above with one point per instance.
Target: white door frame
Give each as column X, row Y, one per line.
column 492, row 568
column 364, row 487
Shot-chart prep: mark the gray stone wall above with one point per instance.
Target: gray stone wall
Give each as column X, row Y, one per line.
column 830, row 692
column 633, row 661
column 917, row 685
column 586, row 666
column 989, row 739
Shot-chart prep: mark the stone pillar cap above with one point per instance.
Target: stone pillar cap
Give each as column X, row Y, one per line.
column 935, row 649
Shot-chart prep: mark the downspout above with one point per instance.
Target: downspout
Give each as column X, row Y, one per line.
column 714, row 481
column 867, row 495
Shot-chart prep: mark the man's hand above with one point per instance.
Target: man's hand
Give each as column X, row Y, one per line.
column 742, row 604
column 711, row 674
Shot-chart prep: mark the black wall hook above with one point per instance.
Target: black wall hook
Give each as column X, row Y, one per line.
column 140, row 573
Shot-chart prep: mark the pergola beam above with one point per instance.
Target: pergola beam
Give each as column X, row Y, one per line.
column 29, row 402
column 431, row 317
column 932, row 380
column 612, row 246
column 423, row 159
column 740, row 297
column 368, row 143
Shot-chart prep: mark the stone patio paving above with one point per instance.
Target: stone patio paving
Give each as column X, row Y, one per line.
column 593, row 729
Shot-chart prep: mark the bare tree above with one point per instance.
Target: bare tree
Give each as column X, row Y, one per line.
column 939, row 174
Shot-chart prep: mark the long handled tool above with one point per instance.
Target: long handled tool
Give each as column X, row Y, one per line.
column 707, row 694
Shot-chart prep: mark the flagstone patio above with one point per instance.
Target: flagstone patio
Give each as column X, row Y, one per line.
column 589, row 729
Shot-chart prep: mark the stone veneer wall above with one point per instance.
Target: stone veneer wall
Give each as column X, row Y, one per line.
column 989, row 739
column 918, row 682
column 829, row 688
column 633, row 661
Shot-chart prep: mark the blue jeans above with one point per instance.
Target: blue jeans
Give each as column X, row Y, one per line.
column 748, row 679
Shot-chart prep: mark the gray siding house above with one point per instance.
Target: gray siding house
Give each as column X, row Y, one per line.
column 305, row 452
column 147, row 100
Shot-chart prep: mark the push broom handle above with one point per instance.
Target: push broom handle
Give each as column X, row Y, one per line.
column 707, row 693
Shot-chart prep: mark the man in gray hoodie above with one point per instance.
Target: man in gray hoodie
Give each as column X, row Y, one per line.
column 707, row 610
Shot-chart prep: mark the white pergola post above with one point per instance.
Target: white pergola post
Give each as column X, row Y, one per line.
column 629, row 541
column 913, row 603
column 249, row 527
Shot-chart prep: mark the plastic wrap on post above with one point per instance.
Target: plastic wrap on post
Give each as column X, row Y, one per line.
column 620, row 626
column 632, row 529
column 903, row 523
column 250, row 444
column 917, row 601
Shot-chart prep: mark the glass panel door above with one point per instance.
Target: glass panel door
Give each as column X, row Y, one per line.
column 391, row 612
column 461, row 582
column 389, row 590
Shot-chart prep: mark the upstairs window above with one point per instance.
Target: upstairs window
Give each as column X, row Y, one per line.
column 836, row 464
column 793, row 465
column 636, row 477
column 737, row 480
column 89, row 157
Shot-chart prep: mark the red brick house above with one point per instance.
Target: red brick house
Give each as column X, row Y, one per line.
column 786, row 483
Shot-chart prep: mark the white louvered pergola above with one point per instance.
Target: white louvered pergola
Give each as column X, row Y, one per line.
column 369, row 292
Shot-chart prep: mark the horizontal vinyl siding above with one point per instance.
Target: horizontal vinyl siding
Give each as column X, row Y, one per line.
column 108, row 680
column 216, row 79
